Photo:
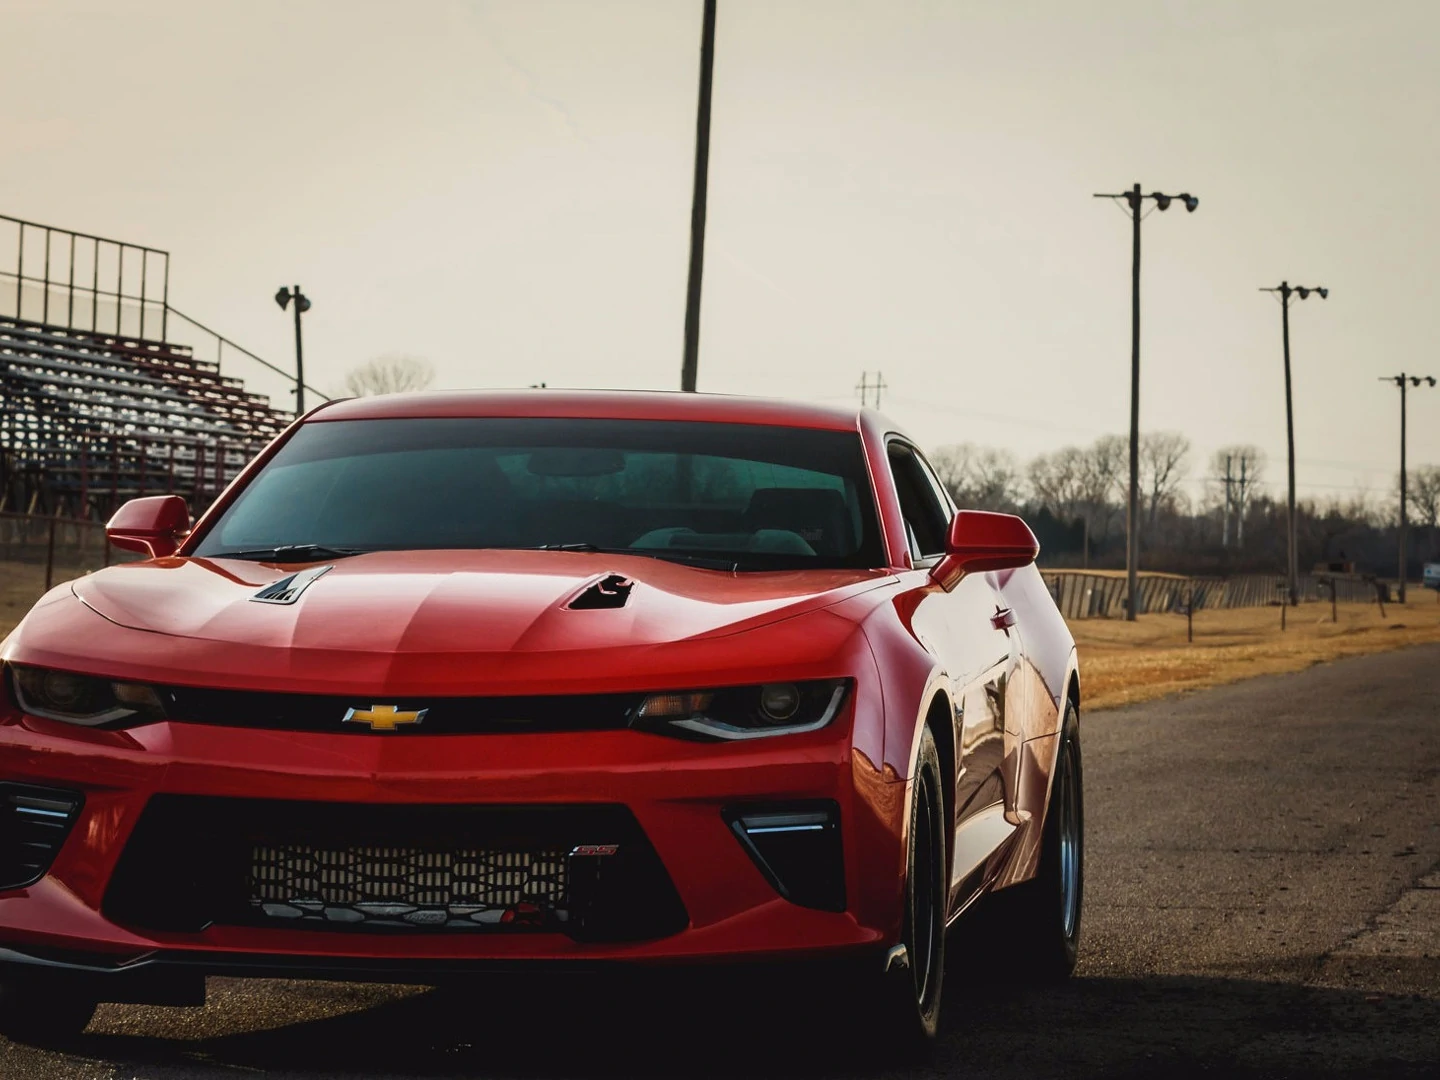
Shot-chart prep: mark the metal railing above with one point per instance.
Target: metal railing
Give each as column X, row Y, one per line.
column 79, row 281
column 220, row 343
column 70, row 275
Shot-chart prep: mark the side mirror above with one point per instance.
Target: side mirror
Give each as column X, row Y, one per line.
column 154, row 525
column 980, row 541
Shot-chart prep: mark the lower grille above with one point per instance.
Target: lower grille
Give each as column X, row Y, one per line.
column 410, row 887
column 34, row 822
column 587, row 871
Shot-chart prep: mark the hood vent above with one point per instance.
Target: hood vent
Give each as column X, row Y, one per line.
column 610, row 591
column 288, row 589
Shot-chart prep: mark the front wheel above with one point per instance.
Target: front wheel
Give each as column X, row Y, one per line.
column 43, row 1015
column 906, row 996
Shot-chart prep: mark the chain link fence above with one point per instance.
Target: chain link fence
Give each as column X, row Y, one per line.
column 61, row 548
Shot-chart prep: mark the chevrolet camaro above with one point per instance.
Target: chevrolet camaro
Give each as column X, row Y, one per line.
column 452, row 682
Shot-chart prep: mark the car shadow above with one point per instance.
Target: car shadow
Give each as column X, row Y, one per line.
column 661, row 1025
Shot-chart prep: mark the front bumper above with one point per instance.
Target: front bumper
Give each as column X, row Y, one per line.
column 678, row 792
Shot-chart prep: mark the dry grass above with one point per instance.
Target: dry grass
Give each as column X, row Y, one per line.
column 1125, row 662
column 21, row 584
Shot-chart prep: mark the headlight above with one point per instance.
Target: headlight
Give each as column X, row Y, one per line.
column 743, row 712
column 84, row 699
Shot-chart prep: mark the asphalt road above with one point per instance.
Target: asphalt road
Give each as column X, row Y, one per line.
column 1263, row 899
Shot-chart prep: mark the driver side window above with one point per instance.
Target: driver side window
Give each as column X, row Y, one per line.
column 926, row 513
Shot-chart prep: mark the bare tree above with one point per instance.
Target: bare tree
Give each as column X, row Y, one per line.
column 392, row 374
column 1103, row 466
column 1057, row 482
column 979, row 477
column 1163, row 467
column 1423, row 494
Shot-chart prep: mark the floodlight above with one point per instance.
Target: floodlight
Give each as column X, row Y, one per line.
column 1190, row 201
column 1162, row 201
column 1323, row 293
column 1303, row 291
column 282, row 297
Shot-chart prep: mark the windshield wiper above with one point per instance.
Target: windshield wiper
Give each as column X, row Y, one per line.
column 711, row 562
column 292, row 553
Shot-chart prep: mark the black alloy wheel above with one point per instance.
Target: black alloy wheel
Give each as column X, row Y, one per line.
column 909, row 1005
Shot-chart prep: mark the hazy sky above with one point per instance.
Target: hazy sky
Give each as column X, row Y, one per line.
column 503, row 188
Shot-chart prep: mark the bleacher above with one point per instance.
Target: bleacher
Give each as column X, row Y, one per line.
column 89, row 420
column 94, row 409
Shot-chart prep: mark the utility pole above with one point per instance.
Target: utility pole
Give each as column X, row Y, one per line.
column 690, row 368
column 864, row 386
column 1285, row 291
column 1136, row 201
column 1400, row 381
column 283, row 296
column 1225, row 525
column 1240, row 507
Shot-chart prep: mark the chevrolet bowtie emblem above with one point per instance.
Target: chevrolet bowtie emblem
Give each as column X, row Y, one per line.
column 383, row 717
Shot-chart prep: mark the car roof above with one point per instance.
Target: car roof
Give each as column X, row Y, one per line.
column 601, row 404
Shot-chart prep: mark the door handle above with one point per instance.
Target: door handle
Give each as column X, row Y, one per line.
column 1003, row 619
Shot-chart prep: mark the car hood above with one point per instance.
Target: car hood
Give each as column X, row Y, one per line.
column 434, row 602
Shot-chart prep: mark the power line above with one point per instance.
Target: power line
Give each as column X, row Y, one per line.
column 1135, row 198
column 866, row 388
column 1402, row 380
column 1285, row 290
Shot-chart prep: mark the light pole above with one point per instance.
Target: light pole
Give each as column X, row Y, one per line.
column 1285, row 291
column 1400, row 381
column 689, row 368
column 283, row 296
column 1136, row 200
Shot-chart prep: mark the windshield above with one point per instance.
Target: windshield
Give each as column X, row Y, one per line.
column 742, row 496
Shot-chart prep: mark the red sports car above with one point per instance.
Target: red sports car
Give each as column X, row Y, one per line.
column 448, row 682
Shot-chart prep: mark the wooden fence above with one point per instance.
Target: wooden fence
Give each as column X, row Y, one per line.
column 1088, row 594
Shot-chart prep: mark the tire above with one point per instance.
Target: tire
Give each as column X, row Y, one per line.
column 1039, row 920
column 44, row 1015
column 907, row 997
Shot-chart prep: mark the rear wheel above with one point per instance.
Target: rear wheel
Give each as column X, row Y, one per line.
column 1040, row 919
column 43, row 1014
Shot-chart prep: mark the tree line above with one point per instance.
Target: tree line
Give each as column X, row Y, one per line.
column 1227, row 521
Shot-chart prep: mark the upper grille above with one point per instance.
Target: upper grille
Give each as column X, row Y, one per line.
column 34, row 822
column 442, row 716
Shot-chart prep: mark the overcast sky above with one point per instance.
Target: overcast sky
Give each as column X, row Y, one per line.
column 503, row 188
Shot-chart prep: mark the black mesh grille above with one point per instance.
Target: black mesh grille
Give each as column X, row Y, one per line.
column 441, row 716
column 587, row 870
column 409, row 887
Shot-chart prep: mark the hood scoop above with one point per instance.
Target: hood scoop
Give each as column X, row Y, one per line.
column 610, row 591
column 288, row 589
